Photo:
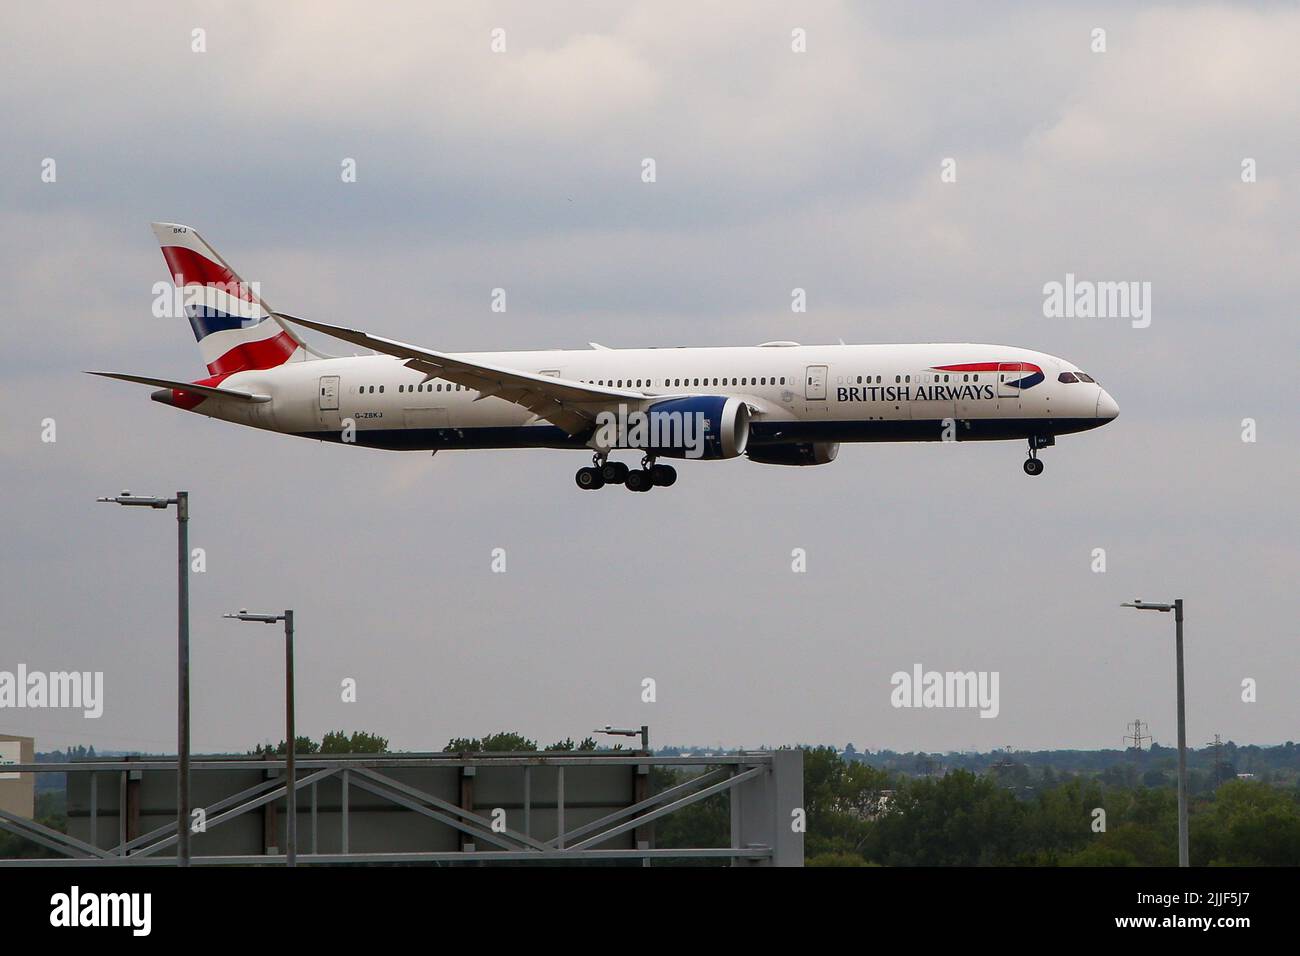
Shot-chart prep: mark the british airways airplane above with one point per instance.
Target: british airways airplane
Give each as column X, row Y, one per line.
column 779, row 403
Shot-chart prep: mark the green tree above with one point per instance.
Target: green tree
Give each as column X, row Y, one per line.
column 841, row 799
column 359, row 742
column 956, row 820
column 1250, row 824
column 502, row 742
column 301, row 745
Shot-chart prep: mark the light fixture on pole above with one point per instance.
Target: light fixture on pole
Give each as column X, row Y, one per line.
column 182, row 503
column 643, row 732
column 1177, row 608
column 290, row 774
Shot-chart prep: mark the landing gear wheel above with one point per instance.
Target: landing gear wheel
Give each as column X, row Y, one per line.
column 638, row 480
column 589, row 479
column 1033, row 466
column 663, row 475
column 614, row 472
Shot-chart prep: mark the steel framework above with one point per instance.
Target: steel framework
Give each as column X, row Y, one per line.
column 765, row 791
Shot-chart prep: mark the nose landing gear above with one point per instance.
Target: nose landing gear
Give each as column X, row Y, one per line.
column 1033, row 466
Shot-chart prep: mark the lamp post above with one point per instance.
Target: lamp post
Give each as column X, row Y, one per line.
column 182, row 503
column 1177, row 608
column 290, row 776
column 643, row 732
column 644, row 835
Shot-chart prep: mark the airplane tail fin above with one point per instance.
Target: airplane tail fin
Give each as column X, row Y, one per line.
column 235, row 329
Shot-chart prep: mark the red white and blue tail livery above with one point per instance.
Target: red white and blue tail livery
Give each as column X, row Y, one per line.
column 235, row 329
column 777, row 403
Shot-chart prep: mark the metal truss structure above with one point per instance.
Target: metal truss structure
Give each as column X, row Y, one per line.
column 765, row 791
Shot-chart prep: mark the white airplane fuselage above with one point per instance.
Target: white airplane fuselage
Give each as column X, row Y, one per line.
column 822, row 393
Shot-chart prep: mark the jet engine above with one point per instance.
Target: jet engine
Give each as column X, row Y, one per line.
column 695, row 426
column 796, row 453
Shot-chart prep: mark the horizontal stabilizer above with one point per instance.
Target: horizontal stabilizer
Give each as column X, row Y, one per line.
column 207, row 391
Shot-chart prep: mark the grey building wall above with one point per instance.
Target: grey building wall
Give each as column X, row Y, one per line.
column 17, row 790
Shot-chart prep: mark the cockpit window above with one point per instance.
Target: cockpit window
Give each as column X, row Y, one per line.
column 1086, row 378
column 1066, row 377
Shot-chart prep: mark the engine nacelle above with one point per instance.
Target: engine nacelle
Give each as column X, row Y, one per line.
column 796, row 453
column 696, row 426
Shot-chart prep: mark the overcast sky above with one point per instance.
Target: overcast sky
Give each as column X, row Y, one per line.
column 775, row 169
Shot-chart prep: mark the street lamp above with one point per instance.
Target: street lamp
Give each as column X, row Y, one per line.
column 643, row 732
column 290, row 776
column 1177, row 608
column 182, row 503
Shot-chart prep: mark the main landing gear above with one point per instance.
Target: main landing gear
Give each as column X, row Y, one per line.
column 605, row 472
column 1033, row 466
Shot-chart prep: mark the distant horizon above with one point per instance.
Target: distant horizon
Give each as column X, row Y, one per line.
column 696, row 750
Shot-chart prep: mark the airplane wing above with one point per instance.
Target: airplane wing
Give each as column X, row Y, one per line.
column 207, row 391
column 571, row 405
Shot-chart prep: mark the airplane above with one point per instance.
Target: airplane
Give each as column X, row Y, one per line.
column 778, row 403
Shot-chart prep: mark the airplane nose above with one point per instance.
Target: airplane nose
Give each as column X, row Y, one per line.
column 1107, row 407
